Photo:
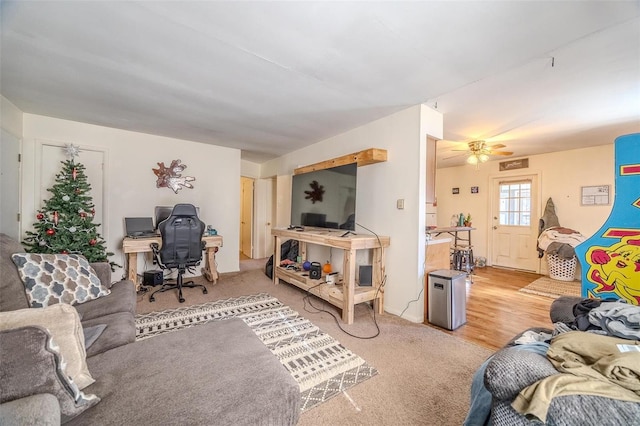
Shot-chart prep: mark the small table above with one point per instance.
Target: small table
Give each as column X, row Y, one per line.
column 132, row 246
column 453, row 231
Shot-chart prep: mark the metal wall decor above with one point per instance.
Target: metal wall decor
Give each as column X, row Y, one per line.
column 171, row 177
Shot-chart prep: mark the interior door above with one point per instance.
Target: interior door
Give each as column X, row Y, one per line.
column 246, row 215
column 514, row 228
column 10, row 185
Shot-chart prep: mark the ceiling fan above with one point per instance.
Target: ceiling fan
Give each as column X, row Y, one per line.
column 478, row 151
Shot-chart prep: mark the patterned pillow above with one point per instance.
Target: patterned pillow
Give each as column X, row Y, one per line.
column 58, row 278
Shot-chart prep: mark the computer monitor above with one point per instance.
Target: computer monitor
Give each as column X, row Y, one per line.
column 163, row 212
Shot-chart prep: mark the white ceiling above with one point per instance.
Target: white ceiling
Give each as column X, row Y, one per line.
column 272, row 77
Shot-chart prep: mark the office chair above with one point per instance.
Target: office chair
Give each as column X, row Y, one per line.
column 182, row 246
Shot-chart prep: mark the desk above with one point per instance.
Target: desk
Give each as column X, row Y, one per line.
column 132, row 246
column 346, row 294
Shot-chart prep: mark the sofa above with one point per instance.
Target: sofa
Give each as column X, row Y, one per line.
column 219, row 372
column 511, row 369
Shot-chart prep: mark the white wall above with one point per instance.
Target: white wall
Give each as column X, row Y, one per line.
column 131, row 183
column 249, row 169
column 562, row 174
column 380, row 185
column 10, row 117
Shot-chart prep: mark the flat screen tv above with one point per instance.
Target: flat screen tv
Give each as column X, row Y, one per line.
column 325, row 198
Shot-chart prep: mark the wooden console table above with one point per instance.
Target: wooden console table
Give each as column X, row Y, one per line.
column 343, row 294
column 132, row 246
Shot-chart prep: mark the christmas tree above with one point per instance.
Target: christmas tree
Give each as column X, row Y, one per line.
column 65, row 222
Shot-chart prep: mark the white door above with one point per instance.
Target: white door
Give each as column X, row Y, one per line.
column 10, row 185
column 52, row 154
column 515, row 213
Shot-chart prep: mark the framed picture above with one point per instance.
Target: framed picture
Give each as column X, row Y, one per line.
column 475, row 189
column 455, row 190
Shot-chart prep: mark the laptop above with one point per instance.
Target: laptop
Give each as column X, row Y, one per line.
column 139, row 227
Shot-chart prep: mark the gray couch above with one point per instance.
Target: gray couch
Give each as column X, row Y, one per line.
column 510, row 370
column 216, row 373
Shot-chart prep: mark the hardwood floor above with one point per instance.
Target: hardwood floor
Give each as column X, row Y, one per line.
column 497, row 311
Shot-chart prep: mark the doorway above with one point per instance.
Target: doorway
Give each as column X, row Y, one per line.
column 246, row 217
column 515, row 209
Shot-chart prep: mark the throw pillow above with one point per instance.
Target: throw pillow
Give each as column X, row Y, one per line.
column 58, row 278
column 63, row 323
column 32, row 364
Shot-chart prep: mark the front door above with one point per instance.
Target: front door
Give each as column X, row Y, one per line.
column 515, row 213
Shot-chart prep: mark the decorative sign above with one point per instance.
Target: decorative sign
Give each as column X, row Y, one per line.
column 475, row 189
column 594, row 195
column 455, row 190
column 522, row 163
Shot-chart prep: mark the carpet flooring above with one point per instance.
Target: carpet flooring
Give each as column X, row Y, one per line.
column 549, row 287
column 321, row 366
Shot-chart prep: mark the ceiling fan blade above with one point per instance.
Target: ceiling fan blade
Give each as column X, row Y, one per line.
column 500, row 153
column 496, row 146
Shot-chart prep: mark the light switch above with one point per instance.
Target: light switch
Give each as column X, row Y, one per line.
column 400, row 203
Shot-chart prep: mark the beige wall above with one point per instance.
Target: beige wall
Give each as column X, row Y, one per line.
column 130, row 182
column 562, row 174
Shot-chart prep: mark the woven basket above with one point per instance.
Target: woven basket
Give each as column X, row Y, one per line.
column 562, row 269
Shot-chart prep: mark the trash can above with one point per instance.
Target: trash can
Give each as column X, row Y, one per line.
column 447, row 298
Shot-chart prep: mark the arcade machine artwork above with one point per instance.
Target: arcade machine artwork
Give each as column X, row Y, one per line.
column 610, row 259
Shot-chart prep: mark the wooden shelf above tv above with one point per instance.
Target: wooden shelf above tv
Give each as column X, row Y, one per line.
column 362, row 158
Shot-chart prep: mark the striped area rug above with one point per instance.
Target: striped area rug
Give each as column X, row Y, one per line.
column 320, row 364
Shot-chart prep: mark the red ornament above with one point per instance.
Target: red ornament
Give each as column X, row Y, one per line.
column 93, row 212
column 40, row 216
column 92, row 242
column 55, row 218
column 83, row 214
column 77, row 191
column 64, row 252
column 74, row 173
column 50, row 231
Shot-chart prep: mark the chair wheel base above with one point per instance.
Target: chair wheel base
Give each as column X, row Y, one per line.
column 152, row 299
column 181, row 300
column 204, row 291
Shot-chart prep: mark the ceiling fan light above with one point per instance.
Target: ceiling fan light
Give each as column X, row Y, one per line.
column 472, row 159
column 483, row 158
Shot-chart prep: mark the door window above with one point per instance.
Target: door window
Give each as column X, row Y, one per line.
column 515, row 203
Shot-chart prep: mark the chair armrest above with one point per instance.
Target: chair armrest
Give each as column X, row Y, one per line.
column 511, row 370
column 103, row 271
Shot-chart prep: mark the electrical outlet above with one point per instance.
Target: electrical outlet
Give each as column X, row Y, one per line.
column 400, row 203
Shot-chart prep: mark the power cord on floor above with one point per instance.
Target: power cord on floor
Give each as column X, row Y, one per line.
column 307, row 299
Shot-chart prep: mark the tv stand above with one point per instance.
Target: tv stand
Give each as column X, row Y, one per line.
column 345, row 294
